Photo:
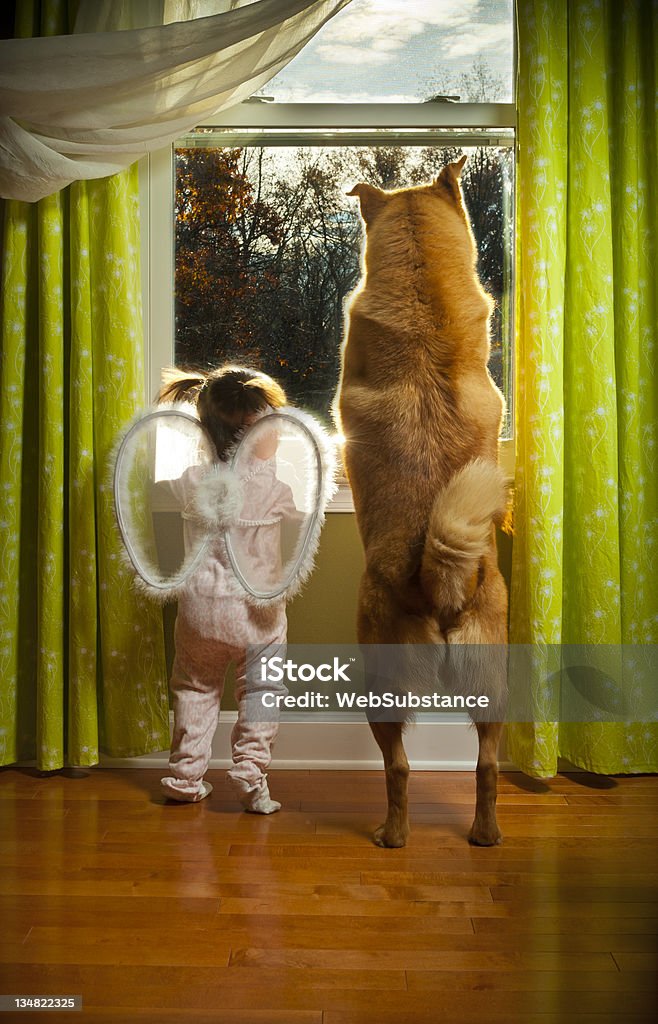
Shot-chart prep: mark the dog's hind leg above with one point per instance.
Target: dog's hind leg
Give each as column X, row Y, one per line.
column 383, row 620
column 395, row 829
column 485, row 831
column 478, row 653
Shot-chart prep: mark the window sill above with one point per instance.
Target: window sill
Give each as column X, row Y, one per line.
column 342, row 500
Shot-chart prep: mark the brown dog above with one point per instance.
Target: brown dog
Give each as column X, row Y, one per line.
column 421, row 417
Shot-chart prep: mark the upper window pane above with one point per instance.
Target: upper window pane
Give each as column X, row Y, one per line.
column 384, row 51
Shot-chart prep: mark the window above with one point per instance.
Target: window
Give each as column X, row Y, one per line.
column 267, row 245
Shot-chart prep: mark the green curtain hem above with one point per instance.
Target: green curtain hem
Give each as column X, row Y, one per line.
column 31, row 762
column 609, row 768
column 138, row 752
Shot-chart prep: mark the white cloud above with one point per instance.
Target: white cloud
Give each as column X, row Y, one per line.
column 384, row 44
column 343, row 53
column 363, row 19
column 479, row 38
column 367, row 25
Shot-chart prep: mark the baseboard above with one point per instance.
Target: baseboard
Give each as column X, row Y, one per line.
column 348, row 745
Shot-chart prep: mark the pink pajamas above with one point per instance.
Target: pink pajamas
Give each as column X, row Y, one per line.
column 213, row 629
column 197, row 684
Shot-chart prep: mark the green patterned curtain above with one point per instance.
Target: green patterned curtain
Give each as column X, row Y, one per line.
column 81, row 658
column 585, row 561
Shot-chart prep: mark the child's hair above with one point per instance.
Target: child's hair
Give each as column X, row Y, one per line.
column 224, row 398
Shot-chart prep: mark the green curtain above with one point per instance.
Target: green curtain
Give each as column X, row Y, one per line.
column 81, row 659
column 585, row 560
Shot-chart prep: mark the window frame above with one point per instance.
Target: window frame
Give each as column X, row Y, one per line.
column 157, row 203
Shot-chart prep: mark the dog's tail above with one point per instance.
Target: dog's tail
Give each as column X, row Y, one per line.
column 460, row 533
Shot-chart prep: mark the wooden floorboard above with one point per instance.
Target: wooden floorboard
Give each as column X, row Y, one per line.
column 158, row 913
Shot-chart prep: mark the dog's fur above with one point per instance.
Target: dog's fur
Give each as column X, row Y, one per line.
column 421, row 417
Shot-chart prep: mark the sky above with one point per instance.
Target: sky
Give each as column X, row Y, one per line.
column 400, row 51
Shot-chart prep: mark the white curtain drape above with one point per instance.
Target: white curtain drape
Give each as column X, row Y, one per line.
column 111, row 15
column 90, row 104
column 108, row 15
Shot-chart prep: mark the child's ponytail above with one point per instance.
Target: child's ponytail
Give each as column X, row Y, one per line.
column 181, row 385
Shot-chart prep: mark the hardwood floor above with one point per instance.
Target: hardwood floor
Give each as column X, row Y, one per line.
column 159, row 913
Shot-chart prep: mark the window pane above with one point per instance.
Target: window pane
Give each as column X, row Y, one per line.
column 268, row 247
column 387, row 51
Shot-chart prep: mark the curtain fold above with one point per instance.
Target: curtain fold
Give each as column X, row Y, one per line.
column 585, row 553
column 77, row 107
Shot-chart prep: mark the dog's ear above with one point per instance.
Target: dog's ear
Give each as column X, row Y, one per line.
column 371, row 200
column 448, row 180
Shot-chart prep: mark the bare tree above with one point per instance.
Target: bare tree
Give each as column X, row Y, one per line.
column 478, row 84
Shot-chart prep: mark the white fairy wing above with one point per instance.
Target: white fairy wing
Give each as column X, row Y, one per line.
column 286, row 464
column 158, row 467
column 260, row 514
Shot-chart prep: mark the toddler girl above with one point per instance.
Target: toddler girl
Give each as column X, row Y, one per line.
column 214, row 625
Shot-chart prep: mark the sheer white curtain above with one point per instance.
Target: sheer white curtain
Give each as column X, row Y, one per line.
column 88, row 105
column 110, row 15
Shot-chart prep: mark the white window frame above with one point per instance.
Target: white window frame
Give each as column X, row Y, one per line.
column 157, row 201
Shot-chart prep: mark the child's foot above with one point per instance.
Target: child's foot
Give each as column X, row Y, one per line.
column 254, row 798
column 263, row 803
column 185, row 796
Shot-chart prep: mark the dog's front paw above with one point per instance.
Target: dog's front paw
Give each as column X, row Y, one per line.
column 485, row 835
column 390, row 837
